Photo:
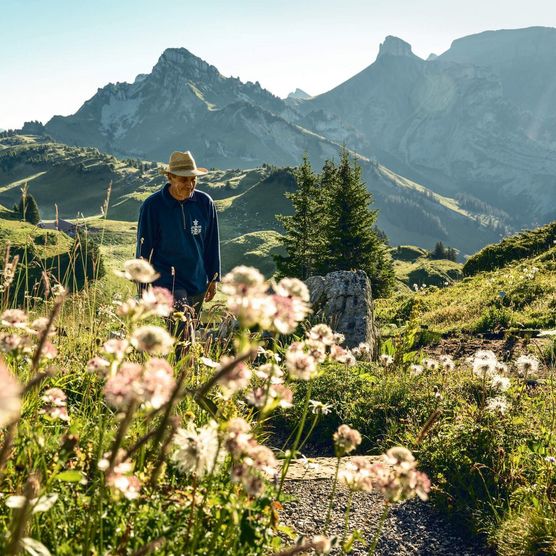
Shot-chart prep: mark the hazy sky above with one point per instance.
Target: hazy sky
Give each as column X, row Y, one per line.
column 55, row 54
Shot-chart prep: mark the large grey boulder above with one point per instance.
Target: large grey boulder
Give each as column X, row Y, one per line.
column 343, row 299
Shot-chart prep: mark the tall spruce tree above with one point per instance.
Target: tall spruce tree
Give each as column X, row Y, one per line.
column 28, row 209
column 303, row 241
column 351, row 240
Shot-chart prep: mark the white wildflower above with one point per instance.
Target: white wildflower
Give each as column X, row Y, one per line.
column 197, row 449
column 138, row 270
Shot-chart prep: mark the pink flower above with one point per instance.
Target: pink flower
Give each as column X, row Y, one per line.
column 55, row 404
column 357, row 474
column 251, row 481
column 321, row 333
column 158, row 382
column 288, row 313
column 244, row 281
column 158, row 301
column 38, row 326
column 152, row 339
column 397, row 478
column 237, row 437
column 98, row 365
column 121, row 480
column 236, row 379
column 261, row 458
column 15, row 318
column 300, row 365
column 316, row 349
column 341, row 355
column 117, row 347
column 294, row 288
column 13, row 342
column 49, row 350
column 10, row 396
column 139, row 270
column 125, row 386
column 346, row 439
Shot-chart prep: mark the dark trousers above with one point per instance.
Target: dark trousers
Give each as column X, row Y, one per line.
column 183, row 327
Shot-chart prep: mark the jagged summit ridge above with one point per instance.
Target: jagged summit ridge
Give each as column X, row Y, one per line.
column 299, row 94
column 394, row 46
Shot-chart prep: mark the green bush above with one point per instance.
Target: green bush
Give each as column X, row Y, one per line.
column 493, row 319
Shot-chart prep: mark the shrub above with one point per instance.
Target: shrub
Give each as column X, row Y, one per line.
column 493, row 319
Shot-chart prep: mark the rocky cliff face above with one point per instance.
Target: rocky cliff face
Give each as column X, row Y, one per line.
column 450, row 125
column 186, row 102
column 480, row 119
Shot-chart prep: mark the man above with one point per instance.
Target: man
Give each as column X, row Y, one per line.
column 178, row 233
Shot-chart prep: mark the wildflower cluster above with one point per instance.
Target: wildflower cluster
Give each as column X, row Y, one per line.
column 394, row 475
column 55, row 405
column 151, row 384
column 278, row 307
column 22, row 337
column 251, row 461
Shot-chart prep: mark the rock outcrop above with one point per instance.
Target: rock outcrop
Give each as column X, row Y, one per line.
column 344, row 300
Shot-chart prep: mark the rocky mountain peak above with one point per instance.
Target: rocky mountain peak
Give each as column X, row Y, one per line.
column 181, row 61
column 394, row 46
column 299, row 94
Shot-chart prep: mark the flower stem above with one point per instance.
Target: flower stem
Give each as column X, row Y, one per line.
column 378, row 532
column 332, row 496
column 346, row 518
column 297, row 438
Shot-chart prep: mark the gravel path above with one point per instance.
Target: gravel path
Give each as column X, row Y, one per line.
column 411, row 528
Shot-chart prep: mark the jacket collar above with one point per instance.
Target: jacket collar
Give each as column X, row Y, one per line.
column 171, row 201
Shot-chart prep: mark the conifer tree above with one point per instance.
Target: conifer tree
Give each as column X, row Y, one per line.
column 28, row 209
column 351, row 240
column 302, row 240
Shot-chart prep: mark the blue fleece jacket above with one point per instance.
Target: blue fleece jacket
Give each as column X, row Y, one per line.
column 180, row 239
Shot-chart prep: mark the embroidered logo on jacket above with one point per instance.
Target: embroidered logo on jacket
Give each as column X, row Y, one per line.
column 196, row 228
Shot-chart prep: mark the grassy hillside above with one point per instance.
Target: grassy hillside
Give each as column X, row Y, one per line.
column 76, row 180
column 413, row 266
column 256, row 209
column 517, row 247
column 520, row 296
column 39, row 251
column 253, row 249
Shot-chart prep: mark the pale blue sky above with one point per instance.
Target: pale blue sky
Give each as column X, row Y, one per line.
column 55, row 54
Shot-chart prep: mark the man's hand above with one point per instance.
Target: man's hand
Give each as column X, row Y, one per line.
column 211, row 291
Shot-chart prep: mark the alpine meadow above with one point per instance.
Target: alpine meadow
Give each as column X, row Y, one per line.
column 236, row 323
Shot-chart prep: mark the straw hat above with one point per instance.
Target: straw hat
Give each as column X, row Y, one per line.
column 183, row 164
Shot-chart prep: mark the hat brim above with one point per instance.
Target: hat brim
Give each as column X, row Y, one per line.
column 184, row 173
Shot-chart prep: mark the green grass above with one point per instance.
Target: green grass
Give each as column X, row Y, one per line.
column 517, row 296
column 413, row 265
column 523, row 245
column 254, row 249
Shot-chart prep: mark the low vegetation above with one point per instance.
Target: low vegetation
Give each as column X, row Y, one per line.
column 520, row 297
column 483, row 429
column 514, row 248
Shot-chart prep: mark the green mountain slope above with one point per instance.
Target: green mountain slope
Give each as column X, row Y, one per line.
column 520, row 296
column 414, row 267
column 76, row 181
column 519, row 246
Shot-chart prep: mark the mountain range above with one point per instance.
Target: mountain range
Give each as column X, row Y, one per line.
column 477, row 121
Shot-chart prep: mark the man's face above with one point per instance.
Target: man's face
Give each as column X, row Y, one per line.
column 183, row 184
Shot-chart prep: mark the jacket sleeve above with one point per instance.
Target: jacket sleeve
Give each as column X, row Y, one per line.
column 146, row 230
column 212, row 247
